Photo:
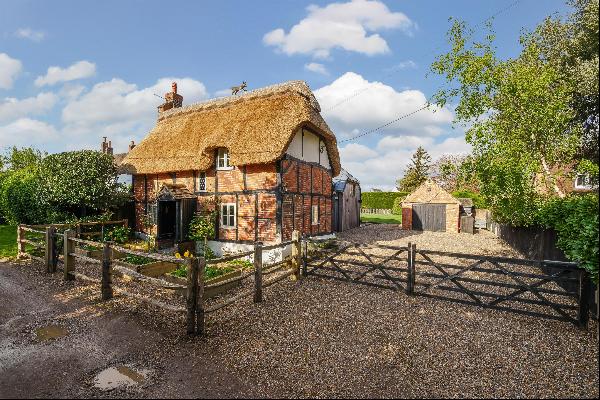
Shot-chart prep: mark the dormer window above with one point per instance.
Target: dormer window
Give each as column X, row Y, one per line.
column 223, row 159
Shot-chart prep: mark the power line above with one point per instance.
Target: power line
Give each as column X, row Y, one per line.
column 426, row 104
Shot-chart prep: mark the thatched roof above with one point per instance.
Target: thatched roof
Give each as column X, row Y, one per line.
column 430, row 192
column 256, row 127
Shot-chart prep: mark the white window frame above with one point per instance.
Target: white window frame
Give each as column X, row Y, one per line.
column 587, row 182
column 230, row 218
column 200, row 175
column 223, row 155
column 314, row 215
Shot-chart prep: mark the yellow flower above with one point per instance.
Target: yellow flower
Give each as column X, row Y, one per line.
column 186, row 254
column 177, row 255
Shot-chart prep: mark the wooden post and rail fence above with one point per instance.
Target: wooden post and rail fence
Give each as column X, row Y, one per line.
column 195, row 300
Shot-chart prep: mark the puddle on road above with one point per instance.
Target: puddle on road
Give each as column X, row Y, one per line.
column 115, row 377
column 50, row 332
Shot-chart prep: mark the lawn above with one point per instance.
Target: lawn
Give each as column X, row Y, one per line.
column 381, row 218
column 8, row 241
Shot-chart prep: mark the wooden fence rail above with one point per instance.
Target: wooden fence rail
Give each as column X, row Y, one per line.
column 489, row 282
column 194, row 309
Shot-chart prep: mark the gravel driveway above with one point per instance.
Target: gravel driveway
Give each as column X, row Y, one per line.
column 324, row 338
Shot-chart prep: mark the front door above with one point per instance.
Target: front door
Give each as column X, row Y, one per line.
column 166, row 219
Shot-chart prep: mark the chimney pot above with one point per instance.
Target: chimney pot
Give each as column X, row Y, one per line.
column 131, row 145
column 174, row 87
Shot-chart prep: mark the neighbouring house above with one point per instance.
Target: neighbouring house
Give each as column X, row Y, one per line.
column 263, row 161
column 346, row 202
column 567, row 180
column 431, row 208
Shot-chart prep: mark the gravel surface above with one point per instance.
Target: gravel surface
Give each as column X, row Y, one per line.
column 324, row 338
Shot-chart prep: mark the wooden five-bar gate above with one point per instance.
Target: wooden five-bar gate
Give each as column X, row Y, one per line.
column 499, row 283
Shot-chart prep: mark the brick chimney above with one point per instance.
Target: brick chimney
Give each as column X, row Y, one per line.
column 131, row 145
column 106, row 147
column 172, row 99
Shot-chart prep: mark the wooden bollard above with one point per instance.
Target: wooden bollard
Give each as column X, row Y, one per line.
column 296, row 254
column 68, row 259
column 192, row 294
column 258, row 272
column 585, row 291
column 304, row 258
column 20, row 243
column 50, row 249
column 107, row 292
column 410, row 285
column 200, row 297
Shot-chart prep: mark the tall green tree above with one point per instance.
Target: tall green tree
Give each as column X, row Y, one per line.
column 81, row 182
column 518, row 117
column 417, row 171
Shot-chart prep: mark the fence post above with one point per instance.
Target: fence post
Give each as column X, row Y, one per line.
column 78, row 230
column 296, row 254
column 192, row 294
column 20, row 244
column 304, row 257
column 583, row 310
column 107, row 292
column 410, row 285
column 200, row 299
column 50, row 249
column 68, row 259
column 258, row 272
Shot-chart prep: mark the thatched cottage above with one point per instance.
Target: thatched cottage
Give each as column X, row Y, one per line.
column 263, row 161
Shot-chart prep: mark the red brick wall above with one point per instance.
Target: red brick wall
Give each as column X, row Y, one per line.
column 313, row 183
column 296, row 212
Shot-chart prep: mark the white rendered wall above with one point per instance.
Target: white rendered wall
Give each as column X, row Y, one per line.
column 309, row 147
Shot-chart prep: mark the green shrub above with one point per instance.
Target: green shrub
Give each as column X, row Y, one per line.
column 21, row 197
column 137, row 260
column 478, row 200
column 119, row 234
column 575, row 219
column 382, row 200
column 397, row 208
column 241, row 263
column 202, row 227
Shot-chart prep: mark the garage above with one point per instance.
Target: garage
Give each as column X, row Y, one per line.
column 429, row 217
column 431, row 208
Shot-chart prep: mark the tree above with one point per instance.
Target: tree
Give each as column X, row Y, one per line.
column 417, row 172
column 82, row 182
column 518, row 117
column 16, row 159
column 455, row 171
column 21, row 199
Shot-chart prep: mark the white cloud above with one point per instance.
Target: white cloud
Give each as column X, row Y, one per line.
column 9, row 69
column 380, row 169
column 30, row 34
column 406, row 64
column 352, row 105
column 316, row 67
column 79, row 70
column 223, row 93
column 356, row 152
column 11, row 108
column 27, row 132
column 121, row 111
column 71, row 91
column 390, row 143
column 349, row 26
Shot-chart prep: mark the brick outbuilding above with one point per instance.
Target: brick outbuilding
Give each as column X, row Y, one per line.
column 431, row 208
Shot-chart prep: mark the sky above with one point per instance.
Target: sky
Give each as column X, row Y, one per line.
column 74, row 71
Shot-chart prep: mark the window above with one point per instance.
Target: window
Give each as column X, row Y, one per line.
column 223, row 159
column 584, row 181
column 314, row 216
column 201, row 187
column 228, row 215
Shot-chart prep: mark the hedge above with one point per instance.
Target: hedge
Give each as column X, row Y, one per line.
column 380, row 199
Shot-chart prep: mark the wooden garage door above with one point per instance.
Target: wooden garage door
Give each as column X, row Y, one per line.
column 429, row 217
